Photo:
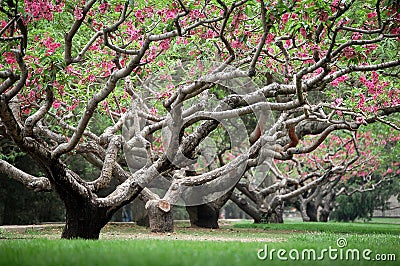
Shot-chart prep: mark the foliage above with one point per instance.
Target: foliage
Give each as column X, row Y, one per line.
column 361, row 205
column 21, row 206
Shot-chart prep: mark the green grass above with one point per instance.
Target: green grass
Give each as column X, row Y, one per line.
column 332, row 227
column 380, row 238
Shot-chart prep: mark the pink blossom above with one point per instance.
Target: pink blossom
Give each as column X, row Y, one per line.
column 50, row 45
column 134, row 33
column 303, row 32
column 339, row 79
column 119, row 8
column 361, row 102
column 103, row 7
column 10, row 57
column 285, row 18
column 360, row 120
column 338, row 101
column 194, row 14
column 357, row 36
column 375, row 76
column 236, row 44
column 78, row 13
column 342, row 78
column 170, row 14
column 32, row 95
column 270, row 38
column 371, row 15
column 349, row 52
column 91, row 78
column 165, row 44
column 153, row 111
column 323, row 16
column 139, row 16
column 335, row 83
column 56, row 104
column 38, row 9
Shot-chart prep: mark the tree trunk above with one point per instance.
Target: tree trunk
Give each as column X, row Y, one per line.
column 277, row 215
column 205, row 215
column 83, row 220
column 274, row 214
column 323, row 216
column 247, row 208
column 311, row 212
column 160, row 216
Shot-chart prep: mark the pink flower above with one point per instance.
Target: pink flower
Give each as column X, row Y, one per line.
column 50, row 45
column 370, row 48
column 270, row 38
column 165, row 44
column 335, row 83
column 360, row 120
column 349, row 52
column 361, row 102
column 285, row 18
column 323, row 16
column 236, row 44
column 78, row 13
column 39, row 9
column 170, row 14
column 338, row 101
column 303, row 32
column 119, row 8
column 91, row 78
column 153, row 111
column 10, row 57
column 139, row 16
column 194, row 14
column 56, row 104
column 134, row 33
column 356, row 36
column 371, row 15
column 103, row 7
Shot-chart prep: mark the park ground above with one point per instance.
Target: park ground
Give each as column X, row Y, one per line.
column 235, row 243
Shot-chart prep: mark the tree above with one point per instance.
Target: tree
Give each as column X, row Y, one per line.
column 68, row 66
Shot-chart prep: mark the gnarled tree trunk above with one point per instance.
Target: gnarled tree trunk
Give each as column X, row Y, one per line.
column 205, row 215
column 160, row 216
column 83, row 220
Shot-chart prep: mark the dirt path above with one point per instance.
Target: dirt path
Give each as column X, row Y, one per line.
column 130, row 231
column 189, row 237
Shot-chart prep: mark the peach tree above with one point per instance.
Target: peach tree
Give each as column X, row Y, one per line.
column 102, row 78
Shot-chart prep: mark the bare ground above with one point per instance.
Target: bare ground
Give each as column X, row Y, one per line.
column 130, row 231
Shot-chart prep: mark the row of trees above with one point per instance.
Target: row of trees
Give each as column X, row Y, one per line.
column 184, row 102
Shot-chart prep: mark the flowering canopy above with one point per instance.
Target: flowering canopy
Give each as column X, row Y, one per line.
column 71, row 73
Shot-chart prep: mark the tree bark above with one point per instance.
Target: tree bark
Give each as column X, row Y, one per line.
column 160, row 216
column 324, row 215
column 83, row 220
column 247, row 208
column 205, row 215
column 312, row 213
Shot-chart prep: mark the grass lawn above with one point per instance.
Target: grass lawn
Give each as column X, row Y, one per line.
column 236, row 244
